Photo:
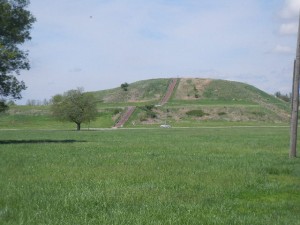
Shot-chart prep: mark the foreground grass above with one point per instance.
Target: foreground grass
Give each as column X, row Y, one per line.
column 39, row 117
column 173, row 176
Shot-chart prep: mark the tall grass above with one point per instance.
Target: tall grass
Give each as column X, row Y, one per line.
column 173, row 176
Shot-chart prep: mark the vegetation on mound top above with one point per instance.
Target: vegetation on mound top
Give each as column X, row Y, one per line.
column 141, row 91
column 190, row 91
column 217, row 90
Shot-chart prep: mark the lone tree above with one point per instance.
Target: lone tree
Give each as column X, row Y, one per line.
column 74, row 106
column 125, row 86
column 15, row 24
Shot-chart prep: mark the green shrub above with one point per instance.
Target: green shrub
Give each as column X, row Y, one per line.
column 149, row 107
column 197, row 113
column 143, row 118
column 117, row 111
column 149, row 112
column 222, row 113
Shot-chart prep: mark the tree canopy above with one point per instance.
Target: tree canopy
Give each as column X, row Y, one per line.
column 125, row 86
column 74, row 106
column 15, row 25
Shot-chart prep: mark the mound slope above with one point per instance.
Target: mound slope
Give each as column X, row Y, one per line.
column 193, row 102
column 217, row 99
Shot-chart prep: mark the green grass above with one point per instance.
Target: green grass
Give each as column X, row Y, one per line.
column 39, row 117
column 154, row 176
column 146, row 91
column 210, row 102
column 105, row 105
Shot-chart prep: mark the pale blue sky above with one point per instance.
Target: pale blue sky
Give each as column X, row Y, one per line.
column 99, row 44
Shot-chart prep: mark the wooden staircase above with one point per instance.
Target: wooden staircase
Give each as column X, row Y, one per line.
column 124, row 118
column 169, row 92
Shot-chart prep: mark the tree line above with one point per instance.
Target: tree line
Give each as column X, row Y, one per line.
column 284, row 97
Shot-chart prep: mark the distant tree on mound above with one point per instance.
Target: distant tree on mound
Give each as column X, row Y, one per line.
column 74, row 106
column 125, row 86
column 284, row 97
column 15, row 24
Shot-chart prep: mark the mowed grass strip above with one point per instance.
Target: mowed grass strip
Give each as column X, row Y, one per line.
column 157, row 176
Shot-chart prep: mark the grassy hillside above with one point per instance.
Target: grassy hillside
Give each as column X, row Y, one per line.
column 215, row 101
column 190, row 91
column 208, row 91
column 222, row 101
column 194, row 102
column 141, row 91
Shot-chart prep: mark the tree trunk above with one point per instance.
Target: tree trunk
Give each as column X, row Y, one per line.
column 78, row 126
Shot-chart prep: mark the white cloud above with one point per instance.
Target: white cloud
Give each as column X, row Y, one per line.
column 282, row 49
column 291, row 9
column 288, row 28
column 290, row 15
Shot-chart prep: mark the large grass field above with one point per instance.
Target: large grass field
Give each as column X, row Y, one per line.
column 149, row 176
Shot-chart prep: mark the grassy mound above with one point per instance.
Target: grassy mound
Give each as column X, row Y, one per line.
column 141, row 91
column 219, row 101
